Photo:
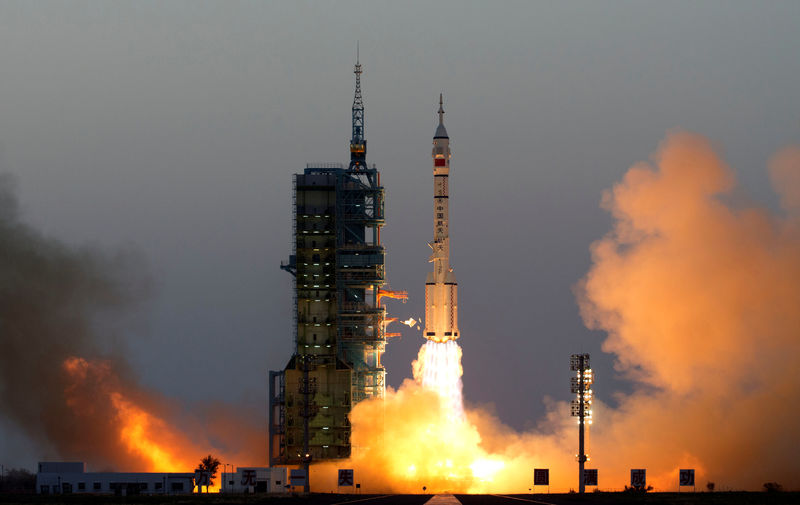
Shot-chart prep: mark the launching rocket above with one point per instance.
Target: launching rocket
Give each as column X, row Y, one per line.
column 441, row 289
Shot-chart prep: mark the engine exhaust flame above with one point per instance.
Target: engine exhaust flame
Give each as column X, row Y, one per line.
column 438, row 368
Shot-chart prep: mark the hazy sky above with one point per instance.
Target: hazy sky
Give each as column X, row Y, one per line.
column 173, row 129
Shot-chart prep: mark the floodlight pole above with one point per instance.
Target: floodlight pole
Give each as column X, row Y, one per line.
column 580, row 407
column 581, row 428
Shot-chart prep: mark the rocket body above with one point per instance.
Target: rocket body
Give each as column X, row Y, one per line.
column 441, row 289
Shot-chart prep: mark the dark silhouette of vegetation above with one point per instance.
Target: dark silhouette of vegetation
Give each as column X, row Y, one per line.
column 638, row 489
column 772, row 487
column 17, row 480
column 710, row 486
column 209, row 464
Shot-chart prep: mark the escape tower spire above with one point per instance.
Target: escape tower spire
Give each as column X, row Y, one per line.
column 358, row 144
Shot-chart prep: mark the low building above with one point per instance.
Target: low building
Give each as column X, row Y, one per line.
column 255, row 480
column 71, row 477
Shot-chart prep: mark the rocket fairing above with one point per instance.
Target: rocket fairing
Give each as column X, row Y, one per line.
column 441, row 289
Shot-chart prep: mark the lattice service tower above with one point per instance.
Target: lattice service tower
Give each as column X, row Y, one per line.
column 340, row 323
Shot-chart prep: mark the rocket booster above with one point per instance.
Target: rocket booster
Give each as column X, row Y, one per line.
column 441, row 289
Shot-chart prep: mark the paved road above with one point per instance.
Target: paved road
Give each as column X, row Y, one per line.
column 728, row 498
column 786, row 498
column 443, row 499
column 389, row 499
column 505, row 500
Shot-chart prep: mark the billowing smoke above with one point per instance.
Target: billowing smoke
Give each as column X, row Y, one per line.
column 63, row 381
column 698, row 291
column 49, row 296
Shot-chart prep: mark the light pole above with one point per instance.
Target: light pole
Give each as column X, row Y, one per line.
column 581, row 406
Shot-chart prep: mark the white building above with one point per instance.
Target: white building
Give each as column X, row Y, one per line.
column 255, row 480
column 71, row 477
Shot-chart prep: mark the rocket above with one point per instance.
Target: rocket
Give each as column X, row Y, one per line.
column 441, row 289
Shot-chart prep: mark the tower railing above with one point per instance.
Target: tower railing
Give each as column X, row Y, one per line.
column 294, row 254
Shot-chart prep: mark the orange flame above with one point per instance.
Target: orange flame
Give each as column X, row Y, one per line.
column 132, row 427
column 388, row 293
column 138, row 430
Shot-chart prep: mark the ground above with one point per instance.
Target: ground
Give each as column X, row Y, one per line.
column 722, row 498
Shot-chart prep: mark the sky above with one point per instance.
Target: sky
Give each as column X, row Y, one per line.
column 170, row 131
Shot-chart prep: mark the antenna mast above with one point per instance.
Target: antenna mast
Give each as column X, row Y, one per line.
column 358, row 144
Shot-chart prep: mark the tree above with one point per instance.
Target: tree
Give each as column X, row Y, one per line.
column 209, row 464
column 17, row 480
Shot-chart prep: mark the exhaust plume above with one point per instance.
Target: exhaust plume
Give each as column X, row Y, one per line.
column 699, row 300
column 438, row 368
column 63, row 381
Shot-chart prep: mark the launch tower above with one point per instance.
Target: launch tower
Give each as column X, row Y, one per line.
column 339, row 330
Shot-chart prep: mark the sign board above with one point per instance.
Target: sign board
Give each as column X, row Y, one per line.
column 638, row 477
column 297, row 477
column 346, row 477
column 590, row 476
column 541, row 476
column 201, row 478
column 248, row 476
column 686, row 477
